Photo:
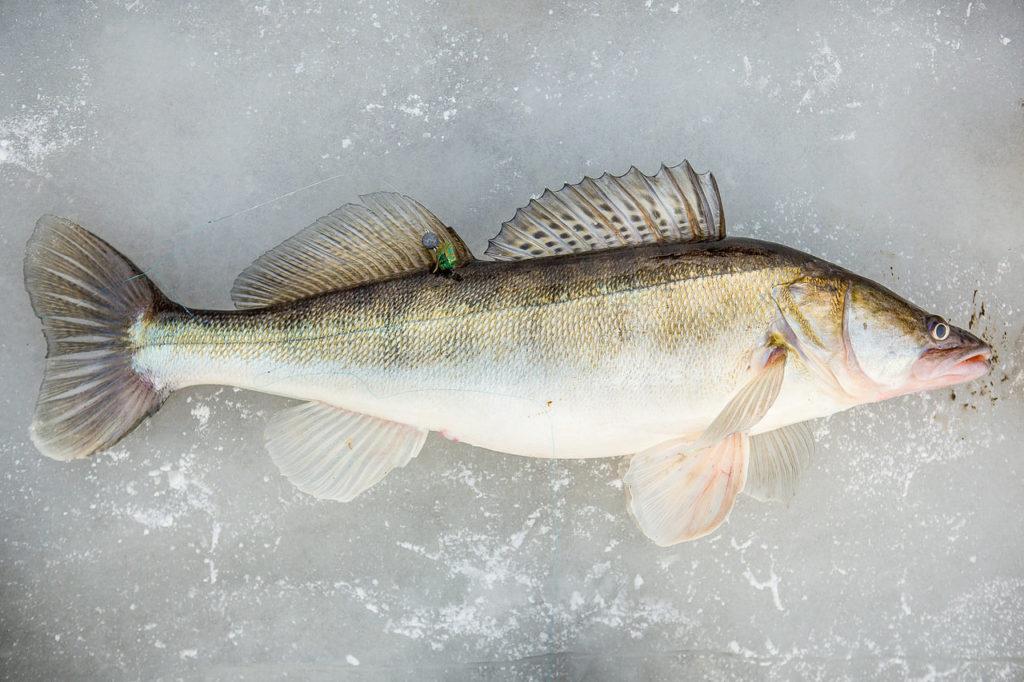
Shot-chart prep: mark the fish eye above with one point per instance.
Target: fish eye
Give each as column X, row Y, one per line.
column 938, row 328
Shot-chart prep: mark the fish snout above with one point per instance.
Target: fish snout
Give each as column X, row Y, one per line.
column 961, row 357
column 975, row 354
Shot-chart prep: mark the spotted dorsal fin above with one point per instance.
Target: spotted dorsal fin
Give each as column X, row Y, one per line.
column 382, row 238
column 674, row 205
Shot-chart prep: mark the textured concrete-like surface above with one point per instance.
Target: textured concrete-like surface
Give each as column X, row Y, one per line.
column 887, row 137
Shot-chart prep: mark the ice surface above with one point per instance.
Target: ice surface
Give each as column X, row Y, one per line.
column 884, row 136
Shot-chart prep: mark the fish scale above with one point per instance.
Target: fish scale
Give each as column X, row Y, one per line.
column 657, row 333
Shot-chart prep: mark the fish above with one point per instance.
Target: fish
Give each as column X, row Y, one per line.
column 610, row 318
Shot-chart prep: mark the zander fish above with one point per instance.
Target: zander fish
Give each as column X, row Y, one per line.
column 614, row 317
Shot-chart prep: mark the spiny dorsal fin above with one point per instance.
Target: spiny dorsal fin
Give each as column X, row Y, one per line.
column 356, row 244
column 675, row 205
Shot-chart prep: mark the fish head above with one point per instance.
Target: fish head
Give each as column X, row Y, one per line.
column 869, row 344
column 901, row 348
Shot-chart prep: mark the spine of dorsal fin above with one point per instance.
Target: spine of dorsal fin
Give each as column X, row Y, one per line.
column 674, row 205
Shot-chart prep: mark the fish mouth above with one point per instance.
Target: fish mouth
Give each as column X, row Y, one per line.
column 945, row 366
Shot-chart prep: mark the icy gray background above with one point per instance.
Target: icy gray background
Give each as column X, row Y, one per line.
column 886, row 136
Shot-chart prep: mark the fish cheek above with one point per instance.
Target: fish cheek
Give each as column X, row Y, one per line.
column 883, row 336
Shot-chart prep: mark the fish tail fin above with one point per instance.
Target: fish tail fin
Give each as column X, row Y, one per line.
column 89, row 298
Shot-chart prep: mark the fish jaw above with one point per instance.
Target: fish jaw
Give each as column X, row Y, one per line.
column 938, row 368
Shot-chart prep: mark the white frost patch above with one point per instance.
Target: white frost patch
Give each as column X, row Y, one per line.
column 988, row 618
column 213, row 571
column 180, row 493
column 466, row 476
column 822, row 77
column 414, row 106
column 346, row 143
column 185, row 654
column 351, row 660
column 49, row 126
column 770, row 584
column 470, row 556
column 153, row 518
column 201, row 412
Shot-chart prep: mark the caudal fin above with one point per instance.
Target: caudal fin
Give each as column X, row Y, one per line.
column 88, row 297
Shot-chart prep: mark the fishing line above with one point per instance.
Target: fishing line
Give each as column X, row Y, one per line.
column 195, row 228
column 270, row 201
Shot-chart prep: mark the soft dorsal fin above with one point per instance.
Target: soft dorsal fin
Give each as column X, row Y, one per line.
column 356, row 244
column 674, row 205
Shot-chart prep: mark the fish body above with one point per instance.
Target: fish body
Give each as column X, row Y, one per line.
column 615, row 318
column 578, row 356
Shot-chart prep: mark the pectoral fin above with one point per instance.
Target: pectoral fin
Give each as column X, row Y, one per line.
column 676, row 494
column 334, row 454
column 750, row 404
column 681, row 490
column 777, row 460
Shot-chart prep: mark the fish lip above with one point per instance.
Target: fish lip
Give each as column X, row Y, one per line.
column 958, row 364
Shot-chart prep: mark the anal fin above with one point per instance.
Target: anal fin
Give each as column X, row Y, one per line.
column 678, row 494
column 334, row 454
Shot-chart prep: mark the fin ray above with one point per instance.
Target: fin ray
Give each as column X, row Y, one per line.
column 777, row 460
column 677, row 494
column 334, row 454
column 750, row 404
column 674, row 205
column 353, row 245
column 87, row 296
